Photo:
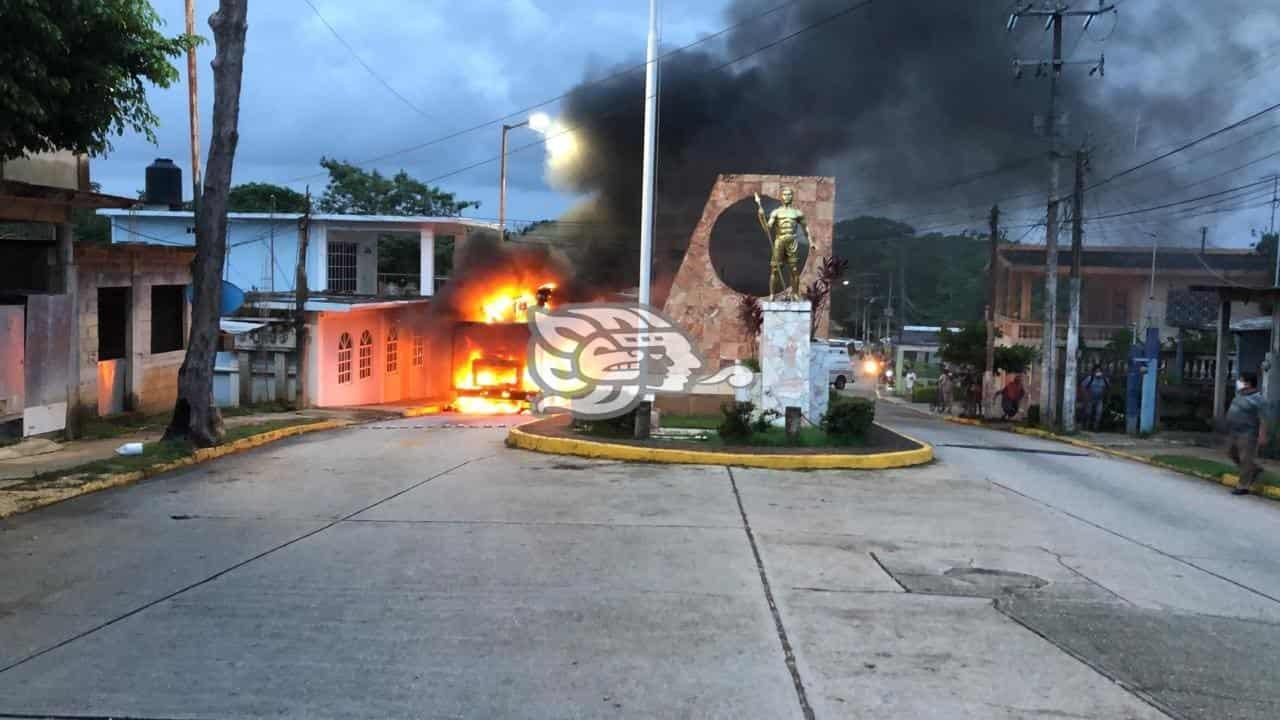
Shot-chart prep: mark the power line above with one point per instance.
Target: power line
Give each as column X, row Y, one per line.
column 562, row 96
column 373, row 73
column 1175, row 151
column 767, row 46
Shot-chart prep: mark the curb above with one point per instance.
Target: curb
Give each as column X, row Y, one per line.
column 420, row 410
column 518, row 438
column 1226, row 479
column 200, row 455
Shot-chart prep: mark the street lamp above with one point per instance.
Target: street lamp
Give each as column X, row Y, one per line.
column 537, row 122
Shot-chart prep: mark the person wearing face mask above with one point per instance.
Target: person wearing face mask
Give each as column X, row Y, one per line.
column 1247, row 424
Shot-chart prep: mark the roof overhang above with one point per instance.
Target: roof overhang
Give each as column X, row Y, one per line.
column 27, row 202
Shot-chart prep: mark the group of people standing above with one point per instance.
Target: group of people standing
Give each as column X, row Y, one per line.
column 968, row 388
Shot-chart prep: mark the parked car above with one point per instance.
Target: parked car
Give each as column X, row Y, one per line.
column 839, row 362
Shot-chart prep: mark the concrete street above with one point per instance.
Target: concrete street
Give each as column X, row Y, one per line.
column 409, row 570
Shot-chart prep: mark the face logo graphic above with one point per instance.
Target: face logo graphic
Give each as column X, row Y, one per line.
column 601, row 360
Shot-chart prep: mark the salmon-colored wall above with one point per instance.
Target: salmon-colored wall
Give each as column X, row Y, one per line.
column 410, row 382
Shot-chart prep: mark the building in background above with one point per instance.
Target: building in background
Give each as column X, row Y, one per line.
column 48, row 304
column 371, row 338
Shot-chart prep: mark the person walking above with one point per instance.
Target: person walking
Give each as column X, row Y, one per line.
column 1247, row 425
column 909, row 382
column 1011, row 397
column 1094, row 391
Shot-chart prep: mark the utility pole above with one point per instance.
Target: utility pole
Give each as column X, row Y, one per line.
column 1054, row 13
column 300, row 300
column 989, row 377
column 193, row 112
column 1275, row 199
column 1073, row 317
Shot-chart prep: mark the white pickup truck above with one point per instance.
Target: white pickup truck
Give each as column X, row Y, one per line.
column 839, row 361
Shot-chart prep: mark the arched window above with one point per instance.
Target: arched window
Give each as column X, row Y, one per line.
column 393, row 351
column 344, row 359
column 366, row 355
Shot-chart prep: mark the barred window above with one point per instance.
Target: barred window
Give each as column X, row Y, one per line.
column 393, row 351
column 366, row 355
column 344, row 359
column 342, row 267
column 419, row 350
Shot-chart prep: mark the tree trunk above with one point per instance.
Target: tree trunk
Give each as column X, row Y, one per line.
column 195, row 418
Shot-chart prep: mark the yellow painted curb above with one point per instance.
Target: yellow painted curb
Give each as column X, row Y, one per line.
column 1227, row 479
column 198, row 456
column 615, row 451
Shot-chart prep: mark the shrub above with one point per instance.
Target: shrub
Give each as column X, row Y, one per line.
column 849, row 418
column 751, row 364
column 736, row 425
column 765, row 421
column 922, row 394
column 1033, row 415
column 623, row 425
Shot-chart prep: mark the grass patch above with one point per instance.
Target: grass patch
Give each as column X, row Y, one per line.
column 156, row 453
column 103, row 428
column 1210, row 467
column 697, row 422
column 159, row 453
column 777, row 437
column 251, row 429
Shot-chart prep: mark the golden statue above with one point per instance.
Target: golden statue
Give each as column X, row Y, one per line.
column 780, row 227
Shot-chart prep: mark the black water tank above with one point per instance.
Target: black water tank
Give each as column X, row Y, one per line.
column 164, row 184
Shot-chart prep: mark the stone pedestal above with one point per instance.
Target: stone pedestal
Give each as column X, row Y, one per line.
column 819, row 385
column 784, row 357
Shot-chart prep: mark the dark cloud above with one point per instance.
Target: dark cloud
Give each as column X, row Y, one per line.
column 897, row 98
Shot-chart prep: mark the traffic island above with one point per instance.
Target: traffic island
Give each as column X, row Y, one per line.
column 882, row 449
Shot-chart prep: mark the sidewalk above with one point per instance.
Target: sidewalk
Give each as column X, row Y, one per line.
column 1200, row 448
column 34, row 457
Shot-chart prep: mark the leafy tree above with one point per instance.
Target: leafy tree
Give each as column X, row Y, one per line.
column 967, row 351
column 74, row 72
column 265, row 197
column 945, row 275
column 354, row 191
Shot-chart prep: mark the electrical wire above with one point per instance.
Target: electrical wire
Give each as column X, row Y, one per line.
column 544, row 139
column 369, row 69
column 1185, row 146
column 590, row 83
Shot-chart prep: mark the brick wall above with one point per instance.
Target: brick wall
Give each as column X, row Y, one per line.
column 152, row 378
column 708, row 308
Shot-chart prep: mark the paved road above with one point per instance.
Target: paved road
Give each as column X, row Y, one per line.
column 409, row 569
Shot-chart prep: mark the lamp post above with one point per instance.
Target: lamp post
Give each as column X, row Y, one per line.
column 866, row 331
column 538, row 122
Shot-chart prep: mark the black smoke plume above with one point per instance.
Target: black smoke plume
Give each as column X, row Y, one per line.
column 895, row 100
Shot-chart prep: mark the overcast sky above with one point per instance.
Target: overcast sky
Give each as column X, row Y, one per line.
column 461, row 63
column 466, row 63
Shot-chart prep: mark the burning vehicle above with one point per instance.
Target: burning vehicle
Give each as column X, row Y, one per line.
column 490, row 374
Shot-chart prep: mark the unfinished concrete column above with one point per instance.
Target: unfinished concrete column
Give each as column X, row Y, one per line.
column 65, row 236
